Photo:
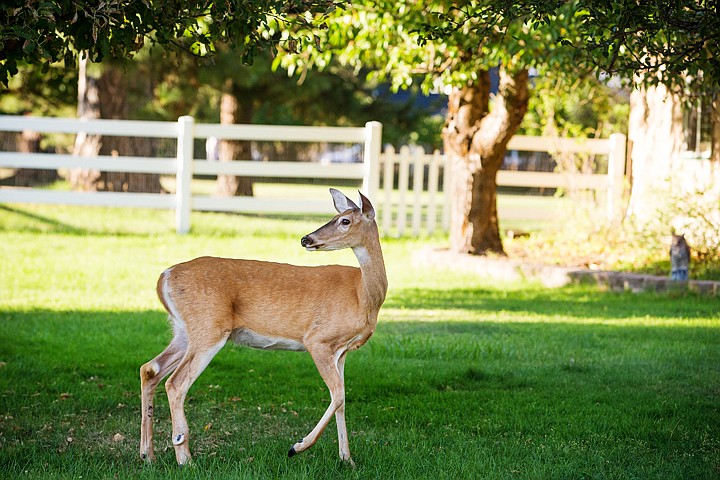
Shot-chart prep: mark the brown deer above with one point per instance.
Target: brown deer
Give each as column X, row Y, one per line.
column 325, row 311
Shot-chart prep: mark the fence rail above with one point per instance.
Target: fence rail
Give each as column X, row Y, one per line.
column 408, row 186
column 184, row 166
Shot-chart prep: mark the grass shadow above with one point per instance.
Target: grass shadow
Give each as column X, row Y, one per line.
column 45, row 223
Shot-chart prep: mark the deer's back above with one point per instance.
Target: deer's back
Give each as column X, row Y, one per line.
column 265, row 298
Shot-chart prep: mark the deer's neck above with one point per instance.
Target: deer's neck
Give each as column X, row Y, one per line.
column 374, row 278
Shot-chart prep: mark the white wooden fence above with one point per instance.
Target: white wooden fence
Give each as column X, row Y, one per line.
column 413, row 206
column 184, row 166
column 418, row 205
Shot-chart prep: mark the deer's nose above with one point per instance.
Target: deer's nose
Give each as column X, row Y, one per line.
column 305, row 241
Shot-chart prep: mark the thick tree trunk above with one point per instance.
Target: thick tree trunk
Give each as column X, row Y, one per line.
column 113, row 105
column 476, row 139
column 29, row 142
column 655, row 131
column 232, row 112
column 106, row 97
column 86, row 145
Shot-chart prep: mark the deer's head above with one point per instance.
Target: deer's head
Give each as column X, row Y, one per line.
column 347, row 229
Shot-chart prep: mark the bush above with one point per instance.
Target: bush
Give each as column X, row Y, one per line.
column 692, row 209
column 638, row 244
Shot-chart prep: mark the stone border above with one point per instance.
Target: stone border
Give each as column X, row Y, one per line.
column 555, row 276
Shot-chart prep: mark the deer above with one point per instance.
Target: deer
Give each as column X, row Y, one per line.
column 325, row 310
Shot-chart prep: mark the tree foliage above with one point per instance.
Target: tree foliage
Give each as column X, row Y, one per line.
column 53, row 30
column 669, row 40
column 585, row 108
column 435, row 43
column 673, row 42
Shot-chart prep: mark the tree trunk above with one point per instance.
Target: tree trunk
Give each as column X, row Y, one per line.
column 113, row 105
column 715, row 132
column 476, row 139
column 232, row 112
column 655, row 131
column 86, row 145
column 29, row 142
column 106, row 97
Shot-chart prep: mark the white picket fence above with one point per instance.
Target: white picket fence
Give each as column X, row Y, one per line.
column 411, row 205
column 417, row 205
column 421, row 209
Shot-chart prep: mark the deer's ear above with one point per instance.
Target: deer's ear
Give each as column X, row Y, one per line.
column 366, row 207
column 342, row 203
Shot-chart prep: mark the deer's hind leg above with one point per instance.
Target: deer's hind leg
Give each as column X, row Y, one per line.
column 196, row 359
column 151, row 374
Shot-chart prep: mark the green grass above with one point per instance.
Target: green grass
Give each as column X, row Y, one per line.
column 465, row 377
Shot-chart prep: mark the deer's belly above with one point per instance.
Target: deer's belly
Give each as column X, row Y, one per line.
column 249, row 338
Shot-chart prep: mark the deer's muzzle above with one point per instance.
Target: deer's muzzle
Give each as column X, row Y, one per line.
column 307, row 241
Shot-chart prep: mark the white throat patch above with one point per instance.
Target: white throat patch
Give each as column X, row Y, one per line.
column 362, row 255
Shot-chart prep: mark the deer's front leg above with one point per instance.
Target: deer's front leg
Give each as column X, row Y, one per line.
column 340, row 415
column 327, row 362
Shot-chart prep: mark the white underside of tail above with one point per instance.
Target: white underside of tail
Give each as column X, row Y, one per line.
column 178, row 323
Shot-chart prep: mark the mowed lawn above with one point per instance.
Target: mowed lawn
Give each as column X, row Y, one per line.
column 465, row 377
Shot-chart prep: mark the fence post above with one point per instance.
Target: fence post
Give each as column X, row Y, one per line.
column 184, row 173
column 403, row 183
column 418, row 160
column 371, row 158
column 388, row 183
column 616, row 176
column 433, row 187
column 447, row 176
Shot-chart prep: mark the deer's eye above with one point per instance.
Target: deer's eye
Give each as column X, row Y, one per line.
column 345, row 221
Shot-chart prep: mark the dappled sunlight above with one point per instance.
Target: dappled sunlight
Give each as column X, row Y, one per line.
column 538, row 305
column 434, row 316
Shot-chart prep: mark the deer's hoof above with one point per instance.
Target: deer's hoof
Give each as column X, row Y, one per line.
column 187, row 464
column 294, row 452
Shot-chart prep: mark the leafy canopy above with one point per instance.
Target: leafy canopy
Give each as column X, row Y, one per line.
column 674, row 42
column 49, row 31
column 436, row 43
